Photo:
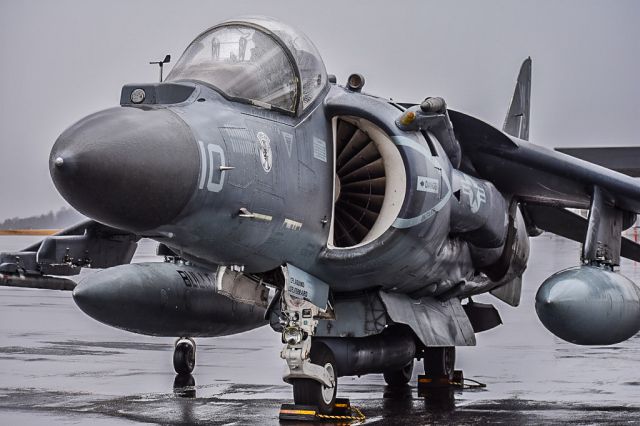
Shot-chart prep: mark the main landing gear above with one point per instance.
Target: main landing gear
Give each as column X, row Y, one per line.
column 313, row 370
column 439, row 368
column 439, row 363
column 399, row 377
column 184, row 355
column 440, row 379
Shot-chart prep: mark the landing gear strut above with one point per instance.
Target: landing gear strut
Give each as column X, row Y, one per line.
column 439, row 362
column 312, row 392
column 439, row 380
column 311, row 368
column 184, row 355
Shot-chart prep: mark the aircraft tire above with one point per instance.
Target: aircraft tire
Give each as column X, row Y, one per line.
column 184, row 356
column 399, row 377
column 312, row 392
column 440, row 362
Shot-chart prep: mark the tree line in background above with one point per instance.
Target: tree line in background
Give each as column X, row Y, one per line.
column 62, row 218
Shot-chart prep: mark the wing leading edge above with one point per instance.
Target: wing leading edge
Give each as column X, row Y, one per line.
column 537, row 174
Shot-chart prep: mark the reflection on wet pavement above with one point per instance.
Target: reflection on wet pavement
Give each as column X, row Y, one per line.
column 57, row 365
column 404, row 407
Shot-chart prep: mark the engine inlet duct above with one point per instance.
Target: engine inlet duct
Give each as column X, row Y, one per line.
column 361, row 185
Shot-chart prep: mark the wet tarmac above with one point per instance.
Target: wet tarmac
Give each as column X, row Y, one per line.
column 59, row 366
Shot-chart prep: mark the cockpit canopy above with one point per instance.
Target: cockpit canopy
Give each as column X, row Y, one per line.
column 256, row 60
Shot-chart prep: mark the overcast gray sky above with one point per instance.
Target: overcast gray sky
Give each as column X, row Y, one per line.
column 62, row 60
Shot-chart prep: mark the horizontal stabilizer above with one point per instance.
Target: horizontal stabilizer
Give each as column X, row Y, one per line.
column 567, row 224
column 36, row 281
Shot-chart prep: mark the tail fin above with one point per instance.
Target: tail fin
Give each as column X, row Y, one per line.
column 516, row 122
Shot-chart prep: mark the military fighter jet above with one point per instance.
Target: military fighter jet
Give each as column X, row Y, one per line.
column 373, row 222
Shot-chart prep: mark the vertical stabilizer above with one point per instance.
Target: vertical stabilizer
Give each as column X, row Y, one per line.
column 517, row 121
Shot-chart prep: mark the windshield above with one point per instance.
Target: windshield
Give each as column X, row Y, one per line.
column 307, row 57
column 242, row 62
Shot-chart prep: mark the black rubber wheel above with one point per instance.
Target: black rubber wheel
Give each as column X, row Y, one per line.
column 311, row 392
column 399, row 377
column 184, row 358
column 440, row 362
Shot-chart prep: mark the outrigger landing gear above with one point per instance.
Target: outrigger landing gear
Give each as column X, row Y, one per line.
column 184, row 355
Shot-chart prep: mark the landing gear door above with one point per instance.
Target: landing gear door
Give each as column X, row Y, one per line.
column 301, row 286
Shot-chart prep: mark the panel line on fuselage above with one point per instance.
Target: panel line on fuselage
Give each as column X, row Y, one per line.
column 411, row 222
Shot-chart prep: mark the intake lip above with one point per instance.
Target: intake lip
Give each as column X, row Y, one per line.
column 130, row 168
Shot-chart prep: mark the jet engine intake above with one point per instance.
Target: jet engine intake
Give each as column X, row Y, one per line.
column 369, row 182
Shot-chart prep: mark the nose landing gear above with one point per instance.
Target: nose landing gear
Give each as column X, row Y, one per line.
column 184, row 355
column 311, row 366
column 312, row 392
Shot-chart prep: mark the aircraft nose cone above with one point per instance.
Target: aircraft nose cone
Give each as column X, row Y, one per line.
column 127, row 167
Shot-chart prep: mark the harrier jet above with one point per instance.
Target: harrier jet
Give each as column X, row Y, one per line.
column 357, row 227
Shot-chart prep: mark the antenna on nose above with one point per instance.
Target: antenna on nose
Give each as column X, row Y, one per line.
column 166, row 60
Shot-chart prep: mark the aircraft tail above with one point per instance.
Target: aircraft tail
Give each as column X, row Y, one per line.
column 516, row 123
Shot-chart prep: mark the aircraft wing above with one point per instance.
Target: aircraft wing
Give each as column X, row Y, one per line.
column 623, row 159
column 541, row 177
column 536, row 174
column 88, row 244
column 563, row 222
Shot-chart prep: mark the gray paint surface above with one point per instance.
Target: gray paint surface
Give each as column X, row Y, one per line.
column 62, row 62
column 244, row 225
column 578, row 305
column 622, row 159
column 159, row 170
